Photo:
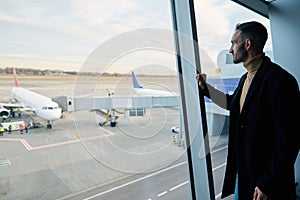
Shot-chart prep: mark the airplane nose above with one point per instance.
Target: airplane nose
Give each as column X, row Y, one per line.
column 59, row 113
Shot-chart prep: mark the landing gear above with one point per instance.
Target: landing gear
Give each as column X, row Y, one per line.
column 111, row 118
column 113, row 123
column 49, row 125
column 110, row 115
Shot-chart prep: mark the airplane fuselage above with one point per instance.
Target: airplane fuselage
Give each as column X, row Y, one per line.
column 42, row 106
column 152, row 92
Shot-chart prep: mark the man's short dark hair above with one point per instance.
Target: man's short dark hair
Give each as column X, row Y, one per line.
column 255, row 31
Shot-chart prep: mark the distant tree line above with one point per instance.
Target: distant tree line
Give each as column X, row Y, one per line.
column 39, row 72
column 34, row 72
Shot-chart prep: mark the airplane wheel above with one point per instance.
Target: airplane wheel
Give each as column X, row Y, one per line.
column 113, row 124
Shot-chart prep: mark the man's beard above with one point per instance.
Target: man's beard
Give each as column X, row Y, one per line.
column 240, row 56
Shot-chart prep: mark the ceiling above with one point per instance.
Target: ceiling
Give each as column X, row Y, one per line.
column 258, row 6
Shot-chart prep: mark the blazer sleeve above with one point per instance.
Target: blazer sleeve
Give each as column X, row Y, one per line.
column 285, row 104
column 217, row 96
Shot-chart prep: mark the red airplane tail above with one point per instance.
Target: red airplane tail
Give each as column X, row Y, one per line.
column 15, row 78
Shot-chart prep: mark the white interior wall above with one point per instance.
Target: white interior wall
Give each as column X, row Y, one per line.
column 285, row 29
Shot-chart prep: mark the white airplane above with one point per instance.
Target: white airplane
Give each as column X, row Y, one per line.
column 110, row 115
column 141, row 91
column 40, row 105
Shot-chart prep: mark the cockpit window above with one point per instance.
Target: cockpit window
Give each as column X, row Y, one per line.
column 49, row 108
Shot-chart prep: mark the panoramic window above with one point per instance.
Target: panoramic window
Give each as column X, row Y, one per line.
column 111, row 66
column 112, row 140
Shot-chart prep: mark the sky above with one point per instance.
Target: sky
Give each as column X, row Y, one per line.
column 63, row 34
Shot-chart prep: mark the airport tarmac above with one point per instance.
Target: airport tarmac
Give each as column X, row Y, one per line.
column 78, row 159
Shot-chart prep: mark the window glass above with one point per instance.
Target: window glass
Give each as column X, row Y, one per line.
column 61, row 48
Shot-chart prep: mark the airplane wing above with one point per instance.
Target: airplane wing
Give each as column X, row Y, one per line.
column 10, row 105
column 6, row 108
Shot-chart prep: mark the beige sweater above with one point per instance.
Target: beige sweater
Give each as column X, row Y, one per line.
column 252, row 67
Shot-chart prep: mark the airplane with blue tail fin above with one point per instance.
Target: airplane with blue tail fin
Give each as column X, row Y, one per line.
column 141, row 91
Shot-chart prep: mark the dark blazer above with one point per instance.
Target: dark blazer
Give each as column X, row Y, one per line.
column 264, row 137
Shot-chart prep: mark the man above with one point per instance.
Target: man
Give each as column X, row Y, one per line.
column 1, row 130
column 26, row 127
column 21, row 128
column 9, row 129
column 263, row 130
column 19, row 112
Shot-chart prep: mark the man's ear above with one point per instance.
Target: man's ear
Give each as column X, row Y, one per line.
column 248, row 43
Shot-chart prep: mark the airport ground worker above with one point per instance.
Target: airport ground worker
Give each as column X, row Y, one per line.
column 26, row 127
column 264, row 135
column 12, row 112
column 4, row 118
column 9, row 129
column 19, row 113
column 1, row 130
column 21, row 128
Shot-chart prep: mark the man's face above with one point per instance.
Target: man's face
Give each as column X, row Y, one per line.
column 237, row 49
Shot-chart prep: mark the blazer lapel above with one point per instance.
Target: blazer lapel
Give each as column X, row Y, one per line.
column 255, row 84
column 253, row 88
column 236, row 98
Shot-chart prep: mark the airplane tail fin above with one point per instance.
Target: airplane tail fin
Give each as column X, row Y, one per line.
column 135, row 81
column 15, row 78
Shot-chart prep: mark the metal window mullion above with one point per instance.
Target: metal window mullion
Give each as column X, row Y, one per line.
column 202, row 104
column 195, row 124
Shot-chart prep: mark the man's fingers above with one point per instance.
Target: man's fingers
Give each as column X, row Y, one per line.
column 203, row 76
column 255, row 195
column 201, row 80
column 259, row 195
